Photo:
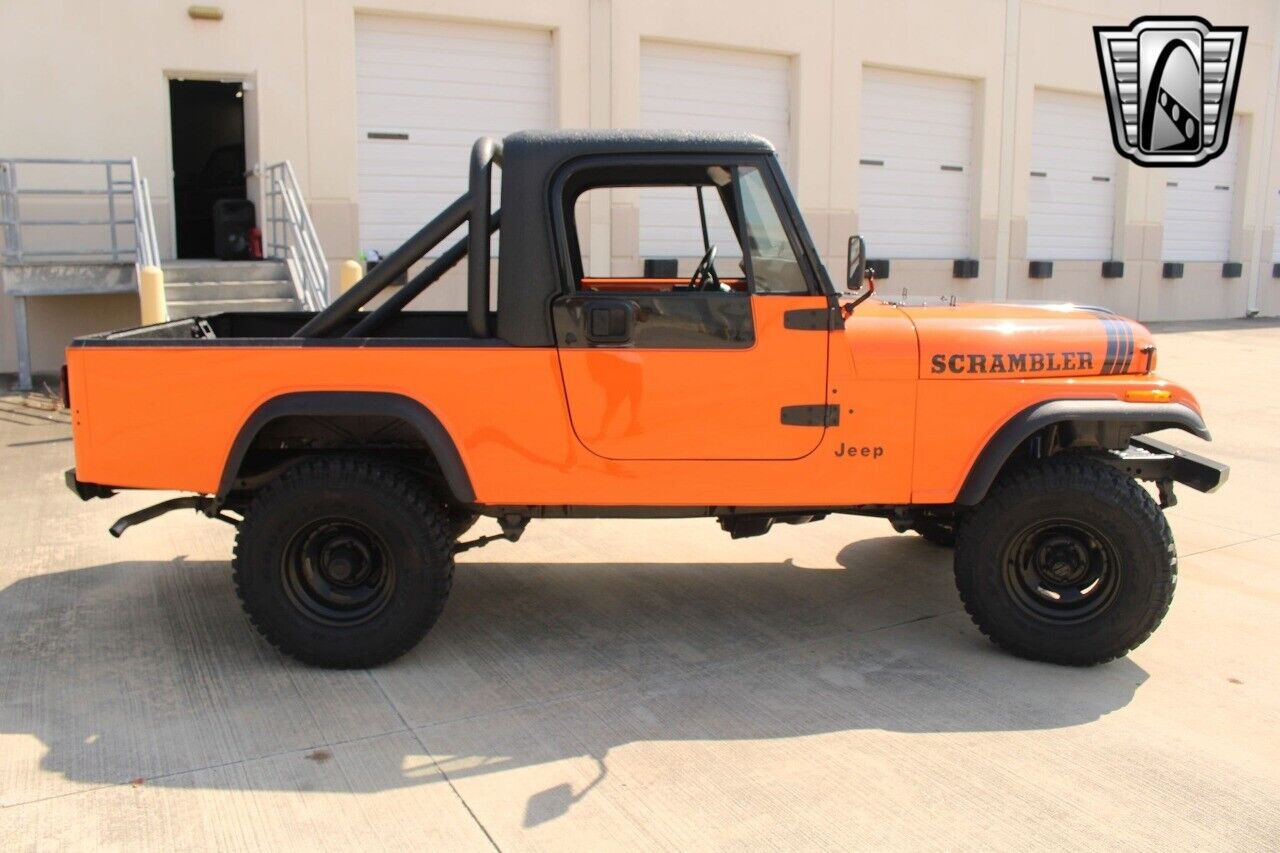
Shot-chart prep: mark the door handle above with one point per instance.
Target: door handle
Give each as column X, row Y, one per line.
column 610, row 321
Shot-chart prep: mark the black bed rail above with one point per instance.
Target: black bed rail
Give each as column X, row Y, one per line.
column 473, row 208
column 420, row 282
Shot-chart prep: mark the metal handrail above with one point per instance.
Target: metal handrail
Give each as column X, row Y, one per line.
column 290, row 235
column 147, row 253
column 111, row 188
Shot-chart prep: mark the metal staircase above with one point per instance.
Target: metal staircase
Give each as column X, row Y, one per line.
column 75, row 227
column 195, row 288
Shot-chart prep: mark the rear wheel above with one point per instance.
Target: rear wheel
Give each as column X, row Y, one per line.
column 1067, row 561
column 344, row 562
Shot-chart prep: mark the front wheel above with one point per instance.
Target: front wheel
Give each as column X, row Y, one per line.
column 344, row 562
column 1067, row 561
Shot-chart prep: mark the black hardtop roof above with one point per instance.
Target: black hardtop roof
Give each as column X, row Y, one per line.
column 560, row 145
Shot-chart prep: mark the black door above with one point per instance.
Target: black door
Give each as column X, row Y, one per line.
column 207, row 126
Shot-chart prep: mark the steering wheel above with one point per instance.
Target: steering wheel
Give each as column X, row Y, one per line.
column 704, row 277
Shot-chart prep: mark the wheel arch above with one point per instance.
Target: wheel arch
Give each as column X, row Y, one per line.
column 321, row 404
column 1140, row 417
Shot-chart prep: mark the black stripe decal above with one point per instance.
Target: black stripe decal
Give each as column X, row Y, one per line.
column 1109, row 361
column 1127, row 351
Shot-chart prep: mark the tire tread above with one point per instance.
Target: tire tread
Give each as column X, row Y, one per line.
column 1076, row 472
column 335, row 471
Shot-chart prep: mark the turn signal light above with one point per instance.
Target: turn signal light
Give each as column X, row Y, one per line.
column 1147, row 395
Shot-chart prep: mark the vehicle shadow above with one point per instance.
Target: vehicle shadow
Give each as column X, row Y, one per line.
column 149, row 671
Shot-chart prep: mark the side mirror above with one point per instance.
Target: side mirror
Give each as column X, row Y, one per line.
column 858, row 276
column 855, row 268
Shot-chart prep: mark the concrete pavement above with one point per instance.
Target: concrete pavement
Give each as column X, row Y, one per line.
column 642, row 684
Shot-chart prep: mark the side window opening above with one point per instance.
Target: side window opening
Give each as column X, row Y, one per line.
column 682, row 229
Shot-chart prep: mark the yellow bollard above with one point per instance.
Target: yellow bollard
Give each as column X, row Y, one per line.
column 151, row 294
column 350, row 273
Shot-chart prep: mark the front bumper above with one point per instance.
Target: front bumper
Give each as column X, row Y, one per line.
column 1152, row 459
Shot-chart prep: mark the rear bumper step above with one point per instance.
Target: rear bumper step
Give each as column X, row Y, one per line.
column 86, row 491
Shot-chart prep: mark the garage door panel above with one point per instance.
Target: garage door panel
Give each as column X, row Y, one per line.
column 1071, row 194
column 456, row 64
column 695, row 115
column 426, row 112
column 1199, row 206
column 443, row 84
column 433, row 38
column 904, row 220
column 911, row 126
column 944, row 137
column 1085, row 191
column 533, row 81
column 725, row 79
column 896, row 198
column 686, row 87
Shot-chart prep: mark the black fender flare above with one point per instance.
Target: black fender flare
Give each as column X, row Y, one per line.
column 1146, row 417
column 335, row 403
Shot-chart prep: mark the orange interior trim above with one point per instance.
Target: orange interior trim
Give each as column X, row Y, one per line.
column 649, row 285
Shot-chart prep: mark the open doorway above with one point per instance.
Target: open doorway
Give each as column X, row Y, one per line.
column 207, row 128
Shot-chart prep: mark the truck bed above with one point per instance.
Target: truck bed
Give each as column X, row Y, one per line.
column 260, row 327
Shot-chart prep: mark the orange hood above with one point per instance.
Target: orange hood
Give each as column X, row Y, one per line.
column 981, row 340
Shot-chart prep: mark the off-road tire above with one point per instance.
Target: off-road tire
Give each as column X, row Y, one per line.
column 1113, row 513
column 935, row 532
column 396, row 533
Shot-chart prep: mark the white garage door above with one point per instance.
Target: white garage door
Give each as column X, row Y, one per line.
column 425, row 91
column 1073, row 178
column 1198, row 206
column 701, row 88
column 915, row 176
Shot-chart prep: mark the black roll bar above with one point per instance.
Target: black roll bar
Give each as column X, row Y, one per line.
column 484, row 154
column 420, row 282
column 473, row 208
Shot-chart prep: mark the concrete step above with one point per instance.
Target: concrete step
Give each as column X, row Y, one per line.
column 217, row 291
column 183, row 272
column 182, row 310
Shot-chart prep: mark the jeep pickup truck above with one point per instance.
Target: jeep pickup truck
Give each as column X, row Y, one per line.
column 354, row 447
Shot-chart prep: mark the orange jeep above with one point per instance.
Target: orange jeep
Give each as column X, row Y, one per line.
column 353, row 448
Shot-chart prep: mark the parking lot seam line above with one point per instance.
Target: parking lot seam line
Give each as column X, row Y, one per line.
column 436, row 764
column 1183, row 556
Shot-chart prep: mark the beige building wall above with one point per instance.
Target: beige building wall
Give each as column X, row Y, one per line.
column 86, row 79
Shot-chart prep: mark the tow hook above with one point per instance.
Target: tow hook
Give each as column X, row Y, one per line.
column 1165, row 489
column 208, row 506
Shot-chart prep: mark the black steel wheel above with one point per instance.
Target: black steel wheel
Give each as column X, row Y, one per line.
column 1061, row 570
column 338, row 571
column 344, row 562
column 1068, row 561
